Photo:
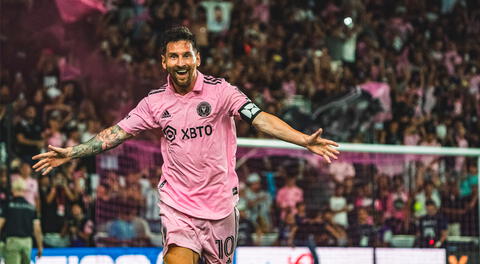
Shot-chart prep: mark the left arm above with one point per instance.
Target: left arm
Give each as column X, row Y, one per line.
column 276, row 127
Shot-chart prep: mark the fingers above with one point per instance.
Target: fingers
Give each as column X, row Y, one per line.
column 48, row 170
column 46, row 165
column 56, row 149
column 40, row 163
column 325, row 156
column 330, row 154
column 44, row 155
column 329, row 142
column 317, row 133
column 334, row 151
column 326, row 152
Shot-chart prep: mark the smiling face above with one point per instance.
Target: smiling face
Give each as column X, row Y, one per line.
column 181, row 61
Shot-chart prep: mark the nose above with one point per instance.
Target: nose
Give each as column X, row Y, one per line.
column 181, row 61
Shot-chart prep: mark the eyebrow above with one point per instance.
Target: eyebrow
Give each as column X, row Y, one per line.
column 177, row 53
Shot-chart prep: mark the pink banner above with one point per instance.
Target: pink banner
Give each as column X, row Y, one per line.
column 72, row 10
column 381, row 91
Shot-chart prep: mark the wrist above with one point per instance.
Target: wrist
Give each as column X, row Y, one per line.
column 70, row 153
column 304, row 141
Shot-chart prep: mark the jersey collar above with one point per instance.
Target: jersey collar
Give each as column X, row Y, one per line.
column 198, row 83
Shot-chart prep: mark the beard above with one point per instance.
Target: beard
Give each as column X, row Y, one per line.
column 181, row 76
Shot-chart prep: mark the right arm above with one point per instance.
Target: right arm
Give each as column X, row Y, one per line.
column 105, row 140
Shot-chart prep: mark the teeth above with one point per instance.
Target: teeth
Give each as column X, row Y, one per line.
column 182, row 71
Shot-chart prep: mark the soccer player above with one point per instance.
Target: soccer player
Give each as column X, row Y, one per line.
column 198, row 187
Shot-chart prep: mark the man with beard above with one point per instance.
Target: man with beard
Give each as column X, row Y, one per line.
column 199, row 187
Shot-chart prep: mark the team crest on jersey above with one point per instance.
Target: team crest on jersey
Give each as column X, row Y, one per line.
column 204, row 109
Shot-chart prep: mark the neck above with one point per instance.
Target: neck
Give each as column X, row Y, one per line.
column 184, row 90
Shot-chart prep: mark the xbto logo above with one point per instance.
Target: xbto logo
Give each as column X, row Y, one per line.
column 188, row 133
column 195, row 132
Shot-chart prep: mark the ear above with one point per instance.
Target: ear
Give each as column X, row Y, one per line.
column 198, row 58
column 164, row 62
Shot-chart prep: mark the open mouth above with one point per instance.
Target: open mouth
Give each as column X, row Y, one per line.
column 181, row 73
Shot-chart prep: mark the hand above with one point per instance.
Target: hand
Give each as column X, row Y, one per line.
column 321, row 146
column 438, row 244
column 49, row 160
column 39, row 252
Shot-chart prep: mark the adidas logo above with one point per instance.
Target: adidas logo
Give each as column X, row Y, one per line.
column 166, row 114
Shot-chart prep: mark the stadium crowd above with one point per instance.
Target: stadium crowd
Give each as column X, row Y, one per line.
column 411, row 58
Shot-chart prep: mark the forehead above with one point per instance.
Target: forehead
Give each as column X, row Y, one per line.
column 180, row 46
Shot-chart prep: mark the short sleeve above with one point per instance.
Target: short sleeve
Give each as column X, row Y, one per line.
column 139, row 119
column 239, row 105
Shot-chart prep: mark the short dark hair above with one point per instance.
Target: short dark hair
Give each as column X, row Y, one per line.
column 430, row 202
column 176, row 34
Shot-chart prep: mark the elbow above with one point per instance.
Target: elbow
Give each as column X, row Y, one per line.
column 261, row 122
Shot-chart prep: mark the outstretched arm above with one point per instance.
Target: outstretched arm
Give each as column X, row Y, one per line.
column 276, row 127
column 105, row 140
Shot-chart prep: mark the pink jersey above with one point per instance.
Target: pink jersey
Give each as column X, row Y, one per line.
column 198, row 144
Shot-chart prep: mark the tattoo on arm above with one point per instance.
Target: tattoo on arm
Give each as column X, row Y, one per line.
column 105, row 140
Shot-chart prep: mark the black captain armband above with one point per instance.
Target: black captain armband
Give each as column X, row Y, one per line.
column 249, row 111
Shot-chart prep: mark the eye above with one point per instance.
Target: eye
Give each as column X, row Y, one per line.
column 172, row 56
column 187, row 55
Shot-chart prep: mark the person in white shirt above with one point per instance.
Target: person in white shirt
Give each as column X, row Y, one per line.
column 339, row 206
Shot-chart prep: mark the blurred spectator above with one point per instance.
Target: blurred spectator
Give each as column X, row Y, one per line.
column 29, row 135
column 303, row 226
column 152, row 211
column 79, row 228
column 432, row 228
column 335, row 232
column 3, row 186
column 3, row 132
column 339, row 206
column 73, row 138
column 470, row 220
column 397, row 205
column 127, row 229
column 453, row 208
column 258, row 203
column 31, row 193
column 288, row 196
column 53, row 134
column 55, row 196
column 364, row 196
column 470, row 179
column 287, row 229
column 341, row 170
column 132, row 190
column 428, row 192
column 361, row 233
column 246, row 228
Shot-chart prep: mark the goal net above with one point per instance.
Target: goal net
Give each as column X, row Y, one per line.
column 375, row 197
